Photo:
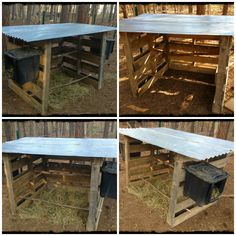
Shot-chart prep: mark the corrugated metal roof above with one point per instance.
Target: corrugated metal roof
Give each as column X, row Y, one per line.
column 179, row 24
column 32, row 33
column 188, row 144
column 76, row 147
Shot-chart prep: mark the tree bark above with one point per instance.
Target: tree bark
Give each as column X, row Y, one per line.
column 64, row 13
column 201, row 8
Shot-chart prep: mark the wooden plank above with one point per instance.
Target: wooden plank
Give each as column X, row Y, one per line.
column 141, row 148
column 185, row 216
column 88, row 56
column 20, row 163
column 9, row 181
column 184, row 205
column 25, row 96
column 46, row 76
column 102, row 60
column 193, row 58
column 140, row 42
column 139, row 161
column 130, row 62
column 174, row 189
column 89, row 68
column 195, row 37
column 127, row 160
column 221, row 75
column 191, row 68
column 207, row 50
column 24, row 178
column 33, row 88
column 150, row 82
column 93, row 195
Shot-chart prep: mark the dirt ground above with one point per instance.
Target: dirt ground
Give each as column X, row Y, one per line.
column 172, row 95
column 135, row 216
column 11, row 223
column 97, row 102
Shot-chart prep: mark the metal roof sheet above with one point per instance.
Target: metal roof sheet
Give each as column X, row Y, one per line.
column 76, row 147
column 188, row 144
column 179, row 24
column 32, row 33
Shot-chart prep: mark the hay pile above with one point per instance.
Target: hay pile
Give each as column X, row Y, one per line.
column 151, row 192
column 59, row 215
column 59, row 97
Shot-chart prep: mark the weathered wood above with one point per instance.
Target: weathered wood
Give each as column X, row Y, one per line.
column 93, row 195
column 184, row 205
column 193, row 58
column 174, row 189
column 130, row 62
column 9, row 181
column 25, row 96
column 139, row 161
column 191, row 68
column 102, row 60
column 127, row 160
column 46, row 76
column 141, row 148
column 221, row 75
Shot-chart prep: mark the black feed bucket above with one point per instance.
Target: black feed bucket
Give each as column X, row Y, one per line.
column 22, row 64
column 108, row 186
column 204, row 182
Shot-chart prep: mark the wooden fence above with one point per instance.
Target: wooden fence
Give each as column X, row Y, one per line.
column 12, row 130
column 130, row 10
column 217, row 129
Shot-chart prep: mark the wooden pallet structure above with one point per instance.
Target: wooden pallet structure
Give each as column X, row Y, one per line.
column 29, row 174
column 83, row 56
column 144, row 161
column 150, row 54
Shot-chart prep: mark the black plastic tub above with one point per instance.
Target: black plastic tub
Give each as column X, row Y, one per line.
column 23, row 64
column 204, row 182
column 108, row 186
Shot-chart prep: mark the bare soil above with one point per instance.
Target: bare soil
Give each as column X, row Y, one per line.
column 11, row 223
column 173, row 94
column 97, row 102
column 135, row 216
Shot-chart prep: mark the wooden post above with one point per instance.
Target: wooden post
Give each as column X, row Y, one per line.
column 79, row 55
column 174, row 189
column 127, row 158
column 46, row 76
column 102, row 60
column 9, row 179
column 130, row 61
column 93, row 195
column 222, row 74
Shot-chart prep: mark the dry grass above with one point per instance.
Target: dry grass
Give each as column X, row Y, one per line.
column 56, row 214
column 151, row 192
column 59, row 97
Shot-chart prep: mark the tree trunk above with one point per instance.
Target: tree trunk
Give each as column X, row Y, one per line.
column 5, row 22
column 225, row 9
column 64, row 13
column 201, row 9
column 82, row 13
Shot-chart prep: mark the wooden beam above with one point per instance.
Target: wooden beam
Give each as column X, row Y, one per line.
column 93, row 195
column 174, row 189
column 46, row 76
column 102, row 61
column 130, row 62
column 9, row 180
column 222, row 74
column 127, row 159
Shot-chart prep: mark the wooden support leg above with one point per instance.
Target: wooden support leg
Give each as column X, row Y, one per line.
column 174, row 189
column 9, row 179
column 127, row 158
column 221, row 75
column 93, row 195
column 46, row 76
column 130, row 61
column 79, row 56
column 102, row 61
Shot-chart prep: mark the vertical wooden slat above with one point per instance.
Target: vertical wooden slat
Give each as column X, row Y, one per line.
column 93, row 195
column 127, row 158
column 9, row 180
column 102, row 61
column 221, row 75
column 46, row 77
